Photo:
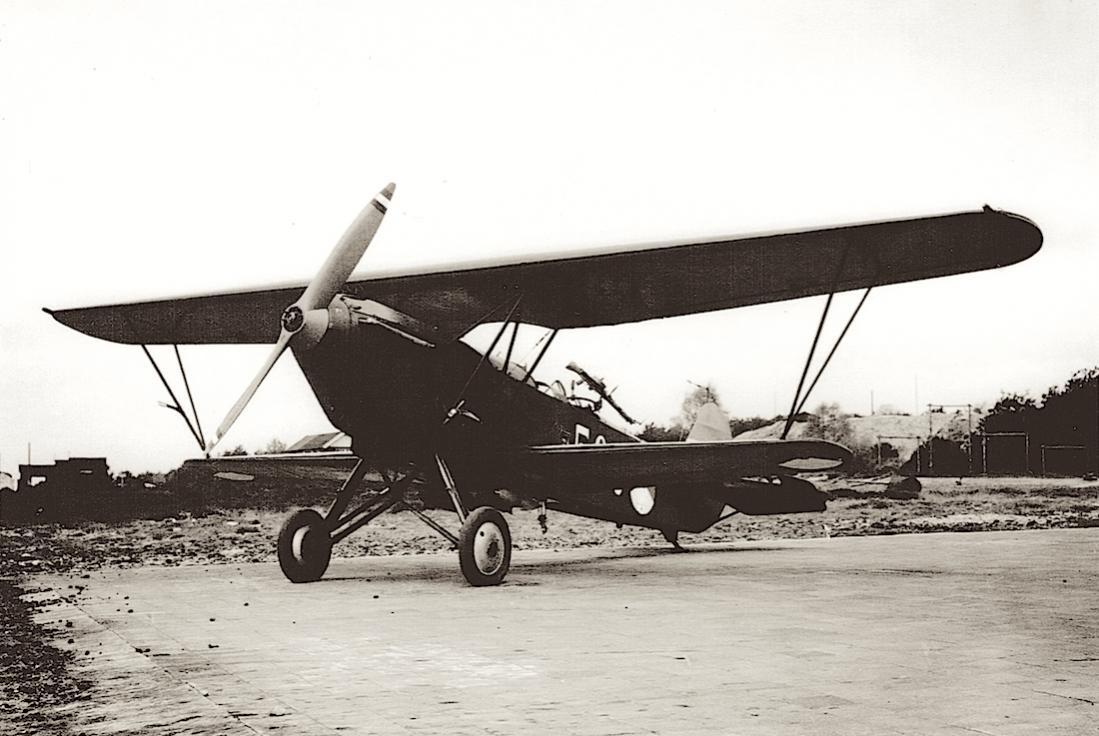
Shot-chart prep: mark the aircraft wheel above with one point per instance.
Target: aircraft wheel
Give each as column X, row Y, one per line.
column 484, row 547
column 304, row 547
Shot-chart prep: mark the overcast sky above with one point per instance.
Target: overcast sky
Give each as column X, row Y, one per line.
column 157, row 149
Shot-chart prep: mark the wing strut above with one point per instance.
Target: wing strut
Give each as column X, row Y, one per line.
column 832, row 352
column 799, row 400
column 175, row 405
column 190, row 396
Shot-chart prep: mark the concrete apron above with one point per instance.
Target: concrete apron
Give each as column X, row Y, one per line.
column 994, row 633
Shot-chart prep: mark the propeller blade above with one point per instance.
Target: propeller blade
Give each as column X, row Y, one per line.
column 308, row 316
column 348, row 252
column 231, row 417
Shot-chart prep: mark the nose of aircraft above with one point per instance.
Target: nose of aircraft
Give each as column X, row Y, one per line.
column 305, row 321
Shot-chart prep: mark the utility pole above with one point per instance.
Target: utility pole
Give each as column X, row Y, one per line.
column 969, row 435
column 930, row 440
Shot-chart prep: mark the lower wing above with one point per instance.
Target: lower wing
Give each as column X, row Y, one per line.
column 650, row 463
column 327, row 468
column 679, row 485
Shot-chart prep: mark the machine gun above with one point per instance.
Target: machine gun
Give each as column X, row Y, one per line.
column 600, row 388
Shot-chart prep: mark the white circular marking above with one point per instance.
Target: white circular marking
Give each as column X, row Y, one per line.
column 643, row 499
column 488, row 548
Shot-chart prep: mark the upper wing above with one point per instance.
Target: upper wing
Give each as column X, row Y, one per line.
column 650, row 463
column 610, row 287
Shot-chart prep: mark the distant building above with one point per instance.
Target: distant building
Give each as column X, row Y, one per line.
column 75, row 474
column 63, row 488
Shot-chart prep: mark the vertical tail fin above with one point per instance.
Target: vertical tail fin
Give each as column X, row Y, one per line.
column 711, row 425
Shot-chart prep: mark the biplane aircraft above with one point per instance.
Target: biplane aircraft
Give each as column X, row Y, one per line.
column 448, row 428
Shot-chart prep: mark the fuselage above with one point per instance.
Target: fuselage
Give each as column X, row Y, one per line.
column 403, row 400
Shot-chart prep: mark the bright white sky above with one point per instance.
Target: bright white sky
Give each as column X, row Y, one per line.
column 156, row 149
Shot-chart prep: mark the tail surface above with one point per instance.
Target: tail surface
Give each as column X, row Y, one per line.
column 711, row 425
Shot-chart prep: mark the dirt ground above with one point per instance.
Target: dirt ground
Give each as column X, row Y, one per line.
column 34, row 675
column 248, row 535
column 35, row 679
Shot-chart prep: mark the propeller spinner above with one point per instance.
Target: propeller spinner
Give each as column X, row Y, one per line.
column 305, row 321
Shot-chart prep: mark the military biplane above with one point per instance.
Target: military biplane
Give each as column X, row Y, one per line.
column 448, row 428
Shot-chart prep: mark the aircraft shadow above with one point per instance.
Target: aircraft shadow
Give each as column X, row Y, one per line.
column 445, row 569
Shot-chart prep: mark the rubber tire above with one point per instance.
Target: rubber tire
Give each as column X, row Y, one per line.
column 468, row 536
column 316, row 547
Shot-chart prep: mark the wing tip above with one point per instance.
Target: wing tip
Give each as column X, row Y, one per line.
column 1023, row 236
column 79, row 320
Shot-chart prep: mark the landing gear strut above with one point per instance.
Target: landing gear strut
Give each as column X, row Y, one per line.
column 305, row 542
column 484, row 542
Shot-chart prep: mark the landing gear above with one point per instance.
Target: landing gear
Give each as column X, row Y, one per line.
column 304, row 547
column 672, row 537
column 306, row 539
column 483, row 544
column 484, row 547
